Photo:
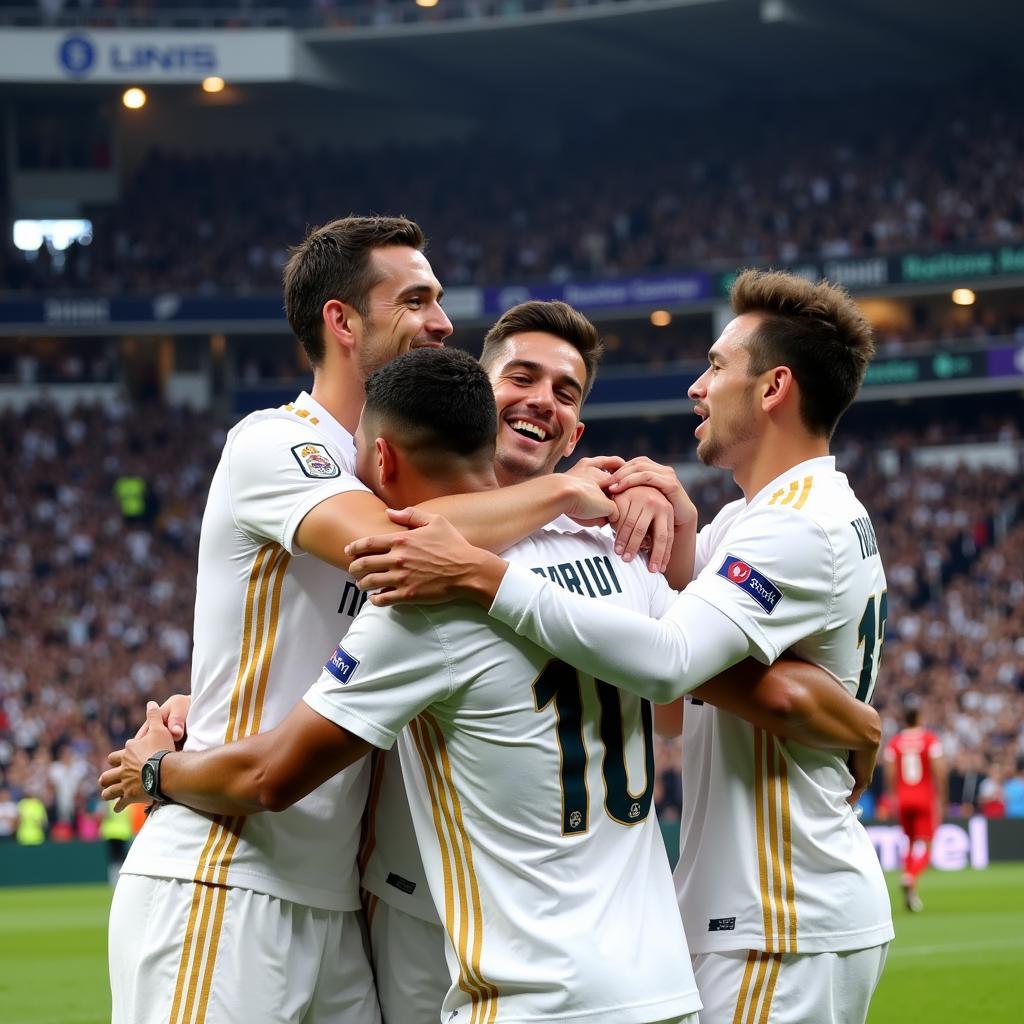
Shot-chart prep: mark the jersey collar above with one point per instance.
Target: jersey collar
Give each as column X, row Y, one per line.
column 810, row 467
column 328, row 425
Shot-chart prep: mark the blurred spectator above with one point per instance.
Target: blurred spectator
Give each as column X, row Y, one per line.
column 991, row 799
column 8, row 816
column 32, row 820
column 1013, row 791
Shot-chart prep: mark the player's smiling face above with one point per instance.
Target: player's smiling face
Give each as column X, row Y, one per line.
column 538, row 382
column 403, row 308
column 724, row 397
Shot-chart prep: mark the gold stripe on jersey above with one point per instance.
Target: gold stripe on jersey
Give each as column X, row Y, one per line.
column 805, row 492
column 774, row 835
column 470, row 918
column 791, row 493
column 466, row 913
column 762, row 853
column 303, row 413
column 206, row 916
column 785, row 496
column 463, row 836
column 447, row 856
column 446, row 867
column 787, row 850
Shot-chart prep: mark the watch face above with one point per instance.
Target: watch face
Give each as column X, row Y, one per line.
column 149, row 778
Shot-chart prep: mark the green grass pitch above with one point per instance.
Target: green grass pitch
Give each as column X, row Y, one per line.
column 958, row 961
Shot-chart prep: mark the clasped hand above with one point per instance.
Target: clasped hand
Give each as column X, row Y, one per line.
column 432, row 562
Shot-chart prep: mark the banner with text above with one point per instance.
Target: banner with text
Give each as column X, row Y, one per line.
column 147, row 56
column 650, row 291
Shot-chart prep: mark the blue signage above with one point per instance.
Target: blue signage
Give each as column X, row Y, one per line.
column 650, row 291
column 77, row 55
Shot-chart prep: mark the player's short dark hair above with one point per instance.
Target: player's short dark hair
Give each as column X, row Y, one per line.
column 816, row 330
column 557, row 318
column 333, row 262
column 439, row 403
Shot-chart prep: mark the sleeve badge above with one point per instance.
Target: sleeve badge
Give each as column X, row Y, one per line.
column 752, row 582
column 315, row 461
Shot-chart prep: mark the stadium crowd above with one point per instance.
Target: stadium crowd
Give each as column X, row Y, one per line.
column 259, row 13
column 945, row 174
column 101, row 522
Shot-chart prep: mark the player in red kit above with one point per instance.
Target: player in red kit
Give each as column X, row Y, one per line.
column 915, row 773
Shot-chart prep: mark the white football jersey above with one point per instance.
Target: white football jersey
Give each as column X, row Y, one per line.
column 531, row 793
column 390, row 864
column 772, row 856
column 266, row 616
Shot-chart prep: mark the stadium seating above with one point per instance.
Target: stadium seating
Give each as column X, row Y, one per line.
column 97, row 591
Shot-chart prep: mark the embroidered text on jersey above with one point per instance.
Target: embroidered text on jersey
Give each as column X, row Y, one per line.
column 747, row 578
column 866, row 536
column 315, row 461
column 593, row 577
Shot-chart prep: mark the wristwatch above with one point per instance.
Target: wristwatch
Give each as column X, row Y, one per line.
column 151, row 778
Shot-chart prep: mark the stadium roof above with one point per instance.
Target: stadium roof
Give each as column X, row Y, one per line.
column 684, row 52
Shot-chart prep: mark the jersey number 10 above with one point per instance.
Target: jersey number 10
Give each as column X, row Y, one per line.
column 563, row 685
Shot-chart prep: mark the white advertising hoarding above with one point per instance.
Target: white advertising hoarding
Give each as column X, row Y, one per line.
column 139, row 56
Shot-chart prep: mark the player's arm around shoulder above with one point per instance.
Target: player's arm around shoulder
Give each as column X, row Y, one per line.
column 391, row 665
column 266, row 772
column 797, row 701
column 287, row 484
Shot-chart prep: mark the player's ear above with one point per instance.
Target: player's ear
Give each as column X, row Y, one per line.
column 776, row 385
column 574, row 440
column 340, row 323
column 387, row 461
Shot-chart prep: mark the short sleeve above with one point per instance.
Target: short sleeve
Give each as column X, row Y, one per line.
column 279, row 470
column 389, row 667
column 773, row 574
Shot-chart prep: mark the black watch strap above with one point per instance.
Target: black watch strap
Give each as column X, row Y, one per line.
column 154, row 790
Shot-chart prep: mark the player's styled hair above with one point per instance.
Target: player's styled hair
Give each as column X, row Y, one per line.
column 333, row 262
column 814, row 329
column 439, row 403
column 557, row 318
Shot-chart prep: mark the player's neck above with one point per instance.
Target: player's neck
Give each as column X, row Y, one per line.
column 342, row 395
column 420, row 488
column 775, row 453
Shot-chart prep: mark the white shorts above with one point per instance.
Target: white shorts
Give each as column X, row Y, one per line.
column 747, row 987
column 190, row 953
column 408, row 962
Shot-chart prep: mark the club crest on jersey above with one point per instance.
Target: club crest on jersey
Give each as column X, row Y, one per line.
column 342, row 665
column 750, row 581
column 315, row 461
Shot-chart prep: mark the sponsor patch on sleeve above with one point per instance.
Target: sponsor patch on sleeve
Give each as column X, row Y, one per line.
column 342, row 665
column 750, row 581
column 315, row 461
